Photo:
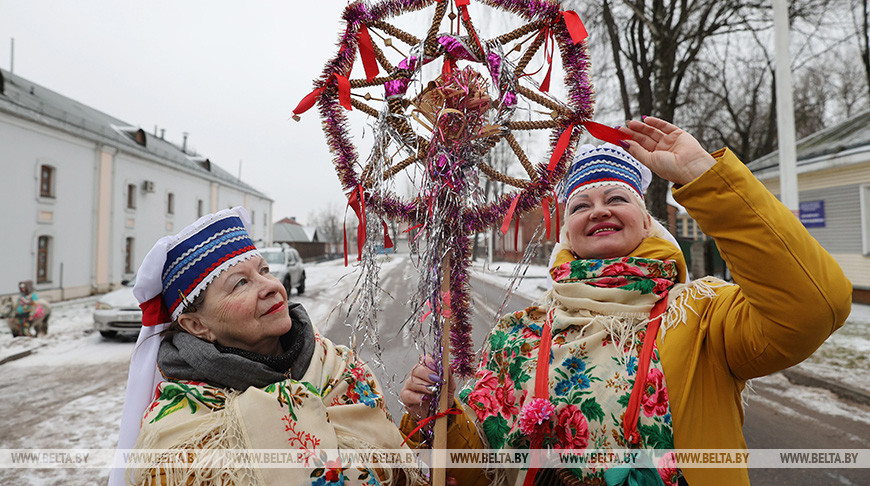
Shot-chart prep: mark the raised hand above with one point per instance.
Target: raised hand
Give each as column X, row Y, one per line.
column 420, row 387
column 667, row 150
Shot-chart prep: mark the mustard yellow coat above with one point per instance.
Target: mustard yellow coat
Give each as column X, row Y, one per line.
column 790, row 296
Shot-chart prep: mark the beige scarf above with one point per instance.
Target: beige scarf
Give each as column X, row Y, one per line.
column 338, row 404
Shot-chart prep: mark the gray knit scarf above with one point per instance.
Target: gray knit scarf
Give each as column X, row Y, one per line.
column 186, row 357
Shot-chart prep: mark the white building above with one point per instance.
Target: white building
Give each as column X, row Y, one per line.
column 85, row 195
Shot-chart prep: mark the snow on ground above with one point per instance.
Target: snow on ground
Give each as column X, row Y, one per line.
column 845, row 356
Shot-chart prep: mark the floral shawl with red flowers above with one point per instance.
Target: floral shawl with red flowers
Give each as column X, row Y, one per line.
column 337, row 404
column 599, row 310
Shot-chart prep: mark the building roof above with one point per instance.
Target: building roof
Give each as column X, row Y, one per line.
column 852, row 135
column 292, row 233
column 26, row 99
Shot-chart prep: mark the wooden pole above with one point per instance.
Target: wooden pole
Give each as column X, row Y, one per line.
column 439, row 446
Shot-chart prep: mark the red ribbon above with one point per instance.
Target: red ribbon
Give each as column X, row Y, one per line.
column 345, row 239
column 506, row 224
column 356, row 200
column 388, row 243
column 605, row 133
column 542, row 387
column 548, row 53
column 545, row 203
column 561, row 145
column 367, row 53
column 629, row 425
column 449, row 65
column 462, row 5
column 422, row 423
column 154, row 311
column 556, row 202
column 542, row 370
column 343, row 95
column 343, row 91
column 575, row 26
column 307, row 102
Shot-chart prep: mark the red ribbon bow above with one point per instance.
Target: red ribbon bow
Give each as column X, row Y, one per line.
column 542, row 387
column 343, row 95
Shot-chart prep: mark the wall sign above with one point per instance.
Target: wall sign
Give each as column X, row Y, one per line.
column 813, row 214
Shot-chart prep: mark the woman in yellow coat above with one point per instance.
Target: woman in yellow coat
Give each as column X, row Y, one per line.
column 639, row 359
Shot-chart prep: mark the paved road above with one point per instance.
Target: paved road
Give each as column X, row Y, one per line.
column 399, row 350
column 776, row 421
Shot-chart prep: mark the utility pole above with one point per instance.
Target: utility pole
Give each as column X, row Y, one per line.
column 788, row 184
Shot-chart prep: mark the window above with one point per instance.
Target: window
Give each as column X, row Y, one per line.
column 131, row 196
column 128, row 255
column 681, row 227
column 42, row 259
column 46, row 181
column 170, row 203
column 199, row 208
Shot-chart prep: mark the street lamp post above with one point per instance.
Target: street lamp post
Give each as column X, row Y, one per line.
column 788, row 184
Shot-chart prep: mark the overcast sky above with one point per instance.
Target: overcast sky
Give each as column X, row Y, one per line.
column 227, row 72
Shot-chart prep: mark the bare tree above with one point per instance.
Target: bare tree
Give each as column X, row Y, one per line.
column 861, row 23
column 654, row 44
column 329, row 222
column 708, row 66
column 730, row 98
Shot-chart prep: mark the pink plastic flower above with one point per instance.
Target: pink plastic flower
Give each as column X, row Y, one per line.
column 534, row 413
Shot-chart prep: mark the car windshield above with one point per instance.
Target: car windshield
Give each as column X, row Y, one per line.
column 272, row 256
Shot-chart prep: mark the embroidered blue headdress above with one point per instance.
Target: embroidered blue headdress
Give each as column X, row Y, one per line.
column 606, row 165
column 178, row 268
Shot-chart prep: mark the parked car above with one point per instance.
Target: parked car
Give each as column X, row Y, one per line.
column 118, row 311
column 286, row 265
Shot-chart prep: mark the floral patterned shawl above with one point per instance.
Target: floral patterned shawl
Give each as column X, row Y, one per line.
column 600, row 309
column 337, row 404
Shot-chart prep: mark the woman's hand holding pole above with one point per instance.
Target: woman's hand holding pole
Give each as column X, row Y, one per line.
column 421, row 386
